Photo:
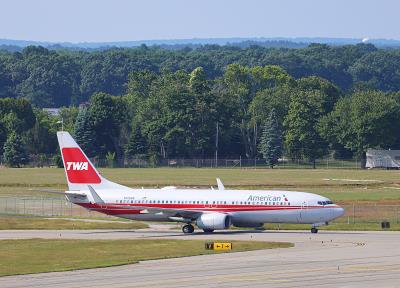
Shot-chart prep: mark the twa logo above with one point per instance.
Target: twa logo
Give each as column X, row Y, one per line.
column 77, row 166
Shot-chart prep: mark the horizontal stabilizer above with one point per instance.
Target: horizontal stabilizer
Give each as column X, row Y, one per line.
column 59, row 192
column 95, row 196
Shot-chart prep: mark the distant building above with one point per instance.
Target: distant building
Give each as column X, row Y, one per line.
column 84, row 105
column 383, row 158
column 52, row 111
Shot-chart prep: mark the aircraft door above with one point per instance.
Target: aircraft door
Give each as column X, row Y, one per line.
column 303, row 211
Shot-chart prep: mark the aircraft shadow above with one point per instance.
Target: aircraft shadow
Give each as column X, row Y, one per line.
column 223, row 232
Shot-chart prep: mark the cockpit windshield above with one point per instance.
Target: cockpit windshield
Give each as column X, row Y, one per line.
column 325, row 202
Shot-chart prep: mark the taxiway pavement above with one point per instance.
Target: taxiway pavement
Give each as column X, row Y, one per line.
column 326, row 259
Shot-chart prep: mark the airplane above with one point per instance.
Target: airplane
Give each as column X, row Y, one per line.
column 208, row 209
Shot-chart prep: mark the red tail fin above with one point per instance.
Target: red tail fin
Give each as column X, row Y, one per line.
column 79, row 170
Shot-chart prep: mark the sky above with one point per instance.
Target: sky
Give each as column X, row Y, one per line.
column 128, row 20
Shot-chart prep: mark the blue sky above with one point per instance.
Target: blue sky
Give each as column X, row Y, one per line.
column 124, row 20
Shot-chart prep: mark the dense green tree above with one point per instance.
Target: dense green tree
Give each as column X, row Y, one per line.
column 240, row 86
column 139, row 86
column 42, row 138
column 5, row 81
column 68, row 115
column 331, row 92
column 301, row 136
column 178, row 119
column 136, row 146
column 271, row 140
column 19, row 108
column 16, row 116
column 3, row 137
column 107, row 71
column 203, row 126
column 197, row 81
column 12, row 123
column 177, row 97
column 85, row 134
column 277, row 99
column 378, row 70
column 61, row 77
column 107, row 114
column 140, row 83
column 169, row 114
column 51, row 78
column 14, row 151
column 369, row 119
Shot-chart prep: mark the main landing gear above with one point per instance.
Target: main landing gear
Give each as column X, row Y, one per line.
column 314, row 230
column 187, row 229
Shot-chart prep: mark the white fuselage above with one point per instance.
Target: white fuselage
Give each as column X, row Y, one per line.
column 246, row 208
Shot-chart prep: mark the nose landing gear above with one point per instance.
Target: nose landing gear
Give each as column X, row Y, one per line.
column 314, row 227
column 187, row 229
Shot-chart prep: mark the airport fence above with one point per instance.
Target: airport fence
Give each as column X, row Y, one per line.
column 60, row 207
column 325, row 163
column 46, row 207
column 328, row 163
column 370, row 213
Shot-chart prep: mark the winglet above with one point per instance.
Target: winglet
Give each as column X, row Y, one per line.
column 220, row 184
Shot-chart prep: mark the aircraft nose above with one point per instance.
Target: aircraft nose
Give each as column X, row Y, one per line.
column 338, row 212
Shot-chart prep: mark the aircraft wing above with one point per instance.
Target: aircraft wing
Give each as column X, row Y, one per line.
column 171, row 212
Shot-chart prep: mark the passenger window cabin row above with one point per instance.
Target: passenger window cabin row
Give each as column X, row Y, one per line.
column 203, row 202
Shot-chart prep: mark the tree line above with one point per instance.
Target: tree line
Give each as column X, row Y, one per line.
column 57, row 78
column 252, row 111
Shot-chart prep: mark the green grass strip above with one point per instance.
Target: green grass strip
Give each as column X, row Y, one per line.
column 41, row 255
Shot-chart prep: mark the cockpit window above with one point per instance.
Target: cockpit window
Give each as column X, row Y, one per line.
column 324, row 202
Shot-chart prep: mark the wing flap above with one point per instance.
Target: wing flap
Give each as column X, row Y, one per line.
column 171, row 212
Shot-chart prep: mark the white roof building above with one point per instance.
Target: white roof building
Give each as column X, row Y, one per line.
column 383, row 158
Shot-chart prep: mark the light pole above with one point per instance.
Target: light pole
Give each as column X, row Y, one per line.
column 62, row 123
column 216, row 146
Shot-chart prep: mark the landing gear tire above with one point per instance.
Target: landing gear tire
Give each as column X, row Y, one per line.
column 208, row 230
column 187, row 229
column 314, row 230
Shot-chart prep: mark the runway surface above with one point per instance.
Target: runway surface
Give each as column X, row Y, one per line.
column 326, row 259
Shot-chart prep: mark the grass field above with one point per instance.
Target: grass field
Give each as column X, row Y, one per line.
column 368, row 196
column 28, row 223
column 341, row 185
column 62, row 255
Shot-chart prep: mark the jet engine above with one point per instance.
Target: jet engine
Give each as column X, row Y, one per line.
column 213, row 221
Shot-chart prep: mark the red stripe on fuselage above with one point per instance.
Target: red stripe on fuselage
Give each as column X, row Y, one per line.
column 115, row 209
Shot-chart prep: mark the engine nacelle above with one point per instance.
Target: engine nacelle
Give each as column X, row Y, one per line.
column 214, row 221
